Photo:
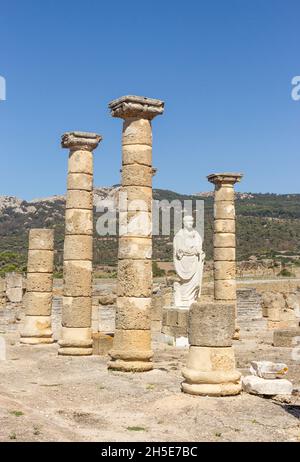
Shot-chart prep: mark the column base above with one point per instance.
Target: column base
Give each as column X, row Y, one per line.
column 220, row 389
column 130, row 366
column 211, row 371
column 76, row 341
column 36, row 340
column 36, row 330
column 131, row 351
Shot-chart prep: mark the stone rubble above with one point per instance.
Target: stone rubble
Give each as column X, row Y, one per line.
column 269, row 387
column 268, row 370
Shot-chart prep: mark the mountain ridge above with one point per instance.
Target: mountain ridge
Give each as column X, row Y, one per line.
column 266, row 224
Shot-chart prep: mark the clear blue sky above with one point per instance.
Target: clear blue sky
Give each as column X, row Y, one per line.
column 223, row 68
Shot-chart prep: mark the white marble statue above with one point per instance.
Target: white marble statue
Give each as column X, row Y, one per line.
column 188, row 262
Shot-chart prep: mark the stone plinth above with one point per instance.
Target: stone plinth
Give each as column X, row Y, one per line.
column 224, row 238
column 38, row 299
column 14, row 287
column 287, row 338
column 210, row 366
column 76, row 332
column 132, row 341
column 174, row 323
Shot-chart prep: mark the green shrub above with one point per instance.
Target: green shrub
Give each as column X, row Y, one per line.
column 157, row 271
column 286, row 273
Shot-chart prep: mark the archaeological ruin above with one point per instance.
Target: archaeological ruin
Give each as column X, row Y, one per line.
column 132, row 340
column 76, row 334
column 38, row 301
column 196, row 328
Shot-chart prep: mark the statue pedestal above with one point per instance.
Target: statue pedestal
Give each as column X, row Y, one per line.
column 181, row 308
column 174, row 326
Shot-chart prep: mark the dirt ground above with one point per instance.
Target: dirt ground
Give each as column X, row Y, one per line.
column 44, row 397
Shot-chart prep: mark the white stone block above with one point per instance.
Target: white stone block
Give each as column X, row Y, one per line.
column 258, row 386
column 182, row 342
column 268, row 369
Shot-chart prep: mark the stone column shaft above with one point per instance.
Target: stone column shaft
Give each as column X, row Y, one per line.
column 76, row 334
column 224, row 238
column 38, row 298
column 211, row 369
column 132, row 340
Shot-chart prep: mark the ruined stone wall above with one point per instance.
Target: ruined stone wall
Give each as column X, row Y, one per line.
column 282, row 309
column 276, row 301
column 12, row 289
column 272, row 285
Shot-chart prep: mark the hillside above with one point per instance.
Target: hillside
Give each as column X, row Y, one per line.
column 267, row 224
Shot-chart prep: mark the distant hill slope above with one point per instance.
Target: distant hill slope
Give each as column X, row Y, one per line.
column 266, row 224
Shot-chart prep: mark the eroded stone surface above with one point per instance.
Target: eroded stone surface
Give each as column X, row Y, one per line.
column 135, row 278
column 76, row 311
column 260, row 386
column 80, row 140
column 136, row 106
column 41, row 239
column 133, row 313
column 211, row 371
column 78, row 278
column 40, row 261
column 211, row 324
column 268, row 369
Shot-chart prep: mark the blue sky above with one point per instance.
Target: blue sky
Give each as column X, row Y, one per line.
column 223, row 68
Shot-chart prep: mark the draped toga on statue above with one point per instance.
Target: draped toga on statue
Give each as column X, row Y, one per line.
column 188, row 262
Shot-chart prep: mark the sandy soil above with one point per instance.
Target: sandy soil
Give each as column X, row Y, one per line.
column 44, row 397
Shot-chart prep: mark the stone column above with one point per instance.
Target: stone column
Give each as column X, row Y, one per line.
column 38, row 299
column 76, row 333
column 224, row 238
column 210, row 367
column 132, row 341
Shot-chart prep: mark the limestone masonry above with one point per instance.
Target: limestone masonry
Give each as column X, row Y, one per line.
column 38, row 300
column 132, row 341
column 76, row 333
column 224, row 237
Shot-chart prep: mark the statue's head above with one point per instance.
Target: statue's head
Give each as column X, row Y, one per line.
column 188, row 222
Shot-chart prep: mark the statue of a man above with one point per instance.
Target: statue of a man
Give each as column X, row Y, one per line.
column 188, row 262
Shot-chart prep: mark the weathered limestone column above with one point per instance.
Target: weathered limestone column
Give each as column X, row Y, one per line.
column 76, row 333
column 38, row 299
column 210, row 367
column 224, row 238
column 132, row 341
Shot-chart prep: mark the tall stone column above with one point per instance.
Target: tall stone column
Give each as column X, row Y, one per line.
column 224, row 238
column 38, row 299
column 132, row 341
column 76, row 333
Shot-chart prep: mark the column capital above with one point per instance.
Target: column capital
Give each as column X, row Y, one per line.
column 136, row 106
column 80, row 140
column 220, row 179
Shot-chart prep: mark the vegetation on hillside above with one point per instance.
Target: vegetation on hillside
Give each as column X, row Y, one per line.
column 267, row 225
